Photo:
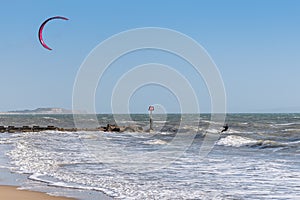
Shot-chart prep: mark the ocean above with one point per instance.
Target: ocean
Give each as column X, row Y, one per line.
column 257, row 158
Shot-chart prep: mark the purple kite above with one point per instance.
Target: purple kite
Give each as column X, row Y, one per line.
column 42, row 27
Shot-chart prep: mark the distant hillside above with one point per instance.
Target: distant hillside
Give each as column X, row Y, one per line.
column 42, row 111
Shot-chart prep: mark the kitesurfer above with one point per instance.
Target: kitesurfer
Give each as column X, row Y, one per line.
column 225, row 128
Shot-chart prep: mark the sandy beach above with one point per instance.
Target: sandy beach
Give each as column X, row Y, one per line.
column 13, row 193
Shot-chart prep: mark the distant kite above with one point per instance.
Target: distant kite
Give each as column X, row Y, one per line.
column 42, row 27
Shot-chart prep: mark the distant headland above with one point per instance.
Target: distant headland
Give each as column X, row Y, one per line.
column 44, row 111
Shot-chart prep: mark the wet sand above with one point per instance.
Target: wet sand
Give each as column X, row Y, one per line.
column 13, row 193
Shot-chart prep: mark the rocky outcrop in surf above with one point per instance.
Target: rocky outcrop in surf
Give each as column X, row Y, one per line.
column 107, row 128
column 116, row 128
column 13, row 129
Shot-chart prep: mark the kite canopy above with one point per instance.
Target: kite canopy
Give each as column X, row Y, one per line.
column 42, row 27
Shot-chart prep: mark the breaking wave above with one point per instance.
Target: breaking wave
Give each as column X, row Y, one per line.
column 239, row 141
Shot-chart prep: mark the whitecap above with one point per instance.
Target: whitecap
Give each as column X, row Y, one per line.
column 51, row 118
column 236, row 141
column 157, row 142
column 213, row 130
column 286, row 124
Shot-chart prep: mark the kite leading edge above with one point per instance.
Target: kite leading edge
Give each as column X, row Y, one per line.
column 40, row 34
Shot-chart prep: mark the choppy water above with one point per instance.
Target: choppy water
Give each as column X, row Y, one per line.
column 257, row 158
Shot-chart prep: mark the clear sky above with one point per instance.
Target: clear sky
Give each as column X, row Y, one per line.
column 254, row 43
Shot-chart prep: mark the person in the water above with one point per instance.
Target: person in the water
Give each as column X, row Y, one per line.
column 225, row 128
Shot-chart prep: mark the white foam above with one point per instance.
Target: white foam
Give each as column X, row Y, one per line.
column 5, row 142
column 165, row 133
column 213, row 130
column 51, row 118
column 295, row 142
column 291, row 129
column 236, row 141
column 286, row 124
column 36, row 176
column 90, row 136
column 159, row 142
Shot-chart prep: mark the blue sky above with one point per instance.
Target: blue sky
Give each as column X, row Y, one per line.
column 255, row 45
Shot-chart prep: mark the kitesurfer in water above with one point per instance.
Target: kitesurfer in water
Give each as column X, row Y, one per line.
column 225, row 128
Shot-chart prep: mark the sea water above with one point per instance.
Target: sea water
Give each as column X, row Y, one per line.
column 257, row 158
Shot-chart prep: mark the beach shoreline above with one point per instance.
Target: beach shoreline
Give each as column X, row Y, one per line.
column 8, row 192
column 11, row 188
column 14, row 186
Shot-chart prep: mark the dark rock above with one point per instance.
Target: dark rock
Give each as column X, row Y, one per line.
column 115, row 128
